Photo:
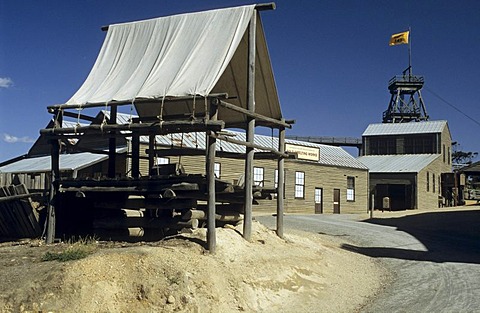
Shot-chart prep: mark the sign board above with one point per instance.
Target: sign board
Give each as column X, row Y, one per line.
column 303, row 152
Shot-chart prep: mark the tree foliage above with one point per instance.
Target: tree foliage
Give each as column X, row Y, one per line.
column 462, row 157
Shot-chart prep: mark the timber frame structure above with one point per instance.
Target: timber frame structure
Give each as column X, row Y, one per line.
column 207, row 122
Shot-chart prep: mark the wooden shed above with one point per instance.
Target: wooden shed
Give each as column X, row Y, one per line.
column 196, row 72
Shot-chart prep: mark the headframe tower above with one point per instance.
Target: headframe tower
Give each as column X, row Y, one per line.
column 406, row 102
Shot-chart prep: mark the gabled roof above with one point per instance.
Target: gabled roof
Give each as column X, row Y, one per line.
column 404, row 163
column 192, row 54
column 426, row 127
column 68, row 162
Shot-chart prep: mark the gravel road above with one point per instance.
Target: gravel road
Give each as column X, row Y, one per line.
column 433, row 255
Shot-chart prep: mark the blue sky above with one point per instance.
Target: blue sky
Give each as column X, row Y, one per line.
column 331, row 60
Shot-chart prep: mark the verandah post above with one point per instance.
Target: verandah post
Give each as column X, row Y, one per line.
column 247, row 224
column 54, row 180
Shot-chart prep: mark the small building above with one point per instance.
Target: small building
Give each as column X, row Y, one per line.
column 322, row 179
column 468, row 182
column 406, row 162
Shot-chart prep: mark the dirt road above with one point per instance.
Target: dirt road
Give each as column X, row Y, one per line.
column 434, row 255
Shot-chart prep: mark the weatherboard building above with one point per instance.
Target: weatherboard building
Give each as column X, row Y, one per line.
column 408, row 164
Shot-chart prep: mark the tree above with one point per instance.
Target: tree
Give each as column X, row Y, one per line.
column 461, row 157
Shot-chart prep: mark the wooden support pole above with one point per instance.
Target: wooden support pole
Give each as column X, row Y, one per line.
column 135, row 155
column 151, row 152
column 55, row 107
column 268, row 120
column 112, row 144
column 280, row 183
column 247, row 224
column 54, row 180
column 210, row 171
column 166, row 127
column 252, row 145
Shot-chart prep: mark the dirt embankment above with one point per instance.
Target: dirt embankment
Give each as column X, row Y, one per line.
column 303, row 273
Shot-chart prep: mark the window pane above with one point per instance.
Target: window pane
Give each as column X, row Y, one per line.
column 161, row 161
column 217, row 170
column 258, row 176
column 299, row 185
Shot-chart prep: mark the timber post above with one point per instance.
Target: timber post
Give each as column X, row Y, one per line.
column 151, row 151
column 112, row 144
column 210, row 171
column 280, row 182
column 135, row 154
column 54, row 183
column 247, row 224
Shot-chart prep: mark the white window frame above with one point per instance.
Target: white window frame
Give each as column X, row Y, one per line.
column 299, row 185
column 258, row 176
column 217, row 169
column 162, row 161
column 350, row 189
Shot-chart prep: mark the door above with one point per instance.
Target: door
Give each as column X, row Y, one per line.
column 318, row 200
column 336, row 201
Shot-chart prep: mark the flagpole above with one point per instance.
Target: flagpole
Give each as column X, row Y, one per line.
column 410, row 51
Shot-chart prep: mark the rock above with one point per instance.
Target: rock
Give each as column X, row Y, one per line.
column 171, row 299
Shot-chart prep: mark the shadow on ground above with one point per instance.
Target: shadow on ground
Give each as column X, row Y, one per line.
column 452, row 236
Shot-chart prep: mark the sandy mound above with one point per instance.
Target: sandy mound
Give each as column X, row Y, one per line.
column 304, row 273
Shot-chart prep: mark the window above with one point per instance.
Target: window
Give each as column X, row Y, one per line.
column 275, row 179
column 449, row 156
column 318, row 195
column 428, row 181
column 161, row 161
column 444, row 154
column 433, row 182
column 350, row 188
column 275, row 183
column 217, row 169
column 300, row 185
column 258, row 176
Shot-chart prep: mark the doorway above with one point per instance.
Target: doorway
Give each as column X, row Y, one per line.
column 336, row 201
column 318, row 200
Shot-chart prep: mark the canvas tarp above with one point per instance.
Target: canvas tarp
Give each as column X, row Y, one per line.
column 182, row 55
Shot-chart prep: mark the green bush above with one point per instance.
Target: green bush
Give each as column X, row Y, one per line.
column 78, row 250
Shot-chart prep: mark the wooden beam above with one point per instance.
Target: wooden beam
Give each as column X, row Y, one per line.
column 135, row 155
column 19, row 197
column 280, row 123
column 258, row 7
column 160, row 128
column 79, row 116
column 250, row 145
column 55, row 107
column 265, row 6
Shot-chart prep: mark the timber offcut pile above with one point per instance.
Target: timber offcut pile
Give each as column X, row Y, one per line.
column 19, row 217
column 153, row 206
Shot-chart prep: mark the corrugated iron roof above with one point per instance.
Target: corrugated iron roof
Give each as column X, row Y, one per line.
column 329, row 155
column 43, row 164
column 426, row 127
column 404, row 163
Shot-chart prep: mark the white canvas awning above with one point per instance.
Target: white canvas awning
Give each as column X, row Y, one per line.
column 193, row 54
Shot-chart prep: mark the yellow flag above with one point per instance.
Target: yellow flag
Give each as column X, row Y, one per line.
column 399, row 39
